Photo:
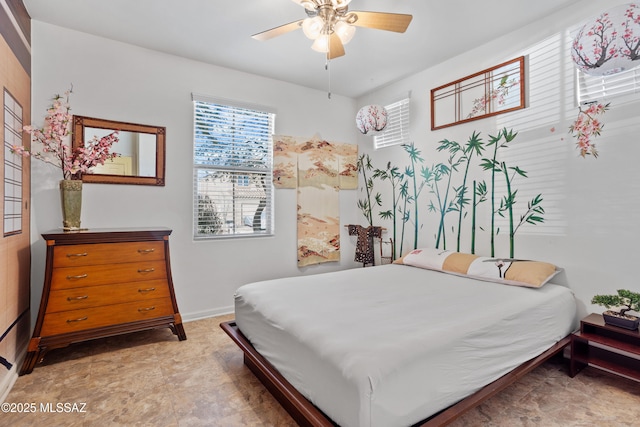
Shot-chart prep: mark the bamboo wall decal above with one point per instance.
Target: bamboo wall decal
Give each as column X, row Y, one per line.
column 444, row 206
column 473, row 145
column 404, row 193
column 364, row 165
column 473, row 220
column 479, row 196
column 414, row 156
column 395, row 178
column 442, row 201
column 492, row 164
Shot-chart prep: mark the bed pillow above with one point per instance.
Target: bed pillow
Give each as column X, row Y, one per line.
column 508, row 271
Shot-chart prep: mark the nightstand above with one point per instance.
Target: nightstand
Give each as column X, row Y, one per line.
column 608, row 348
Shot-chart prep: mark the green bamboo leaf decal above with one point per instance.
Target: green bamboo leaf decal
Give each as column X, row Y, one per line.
column 519, row 171
column 386, row 214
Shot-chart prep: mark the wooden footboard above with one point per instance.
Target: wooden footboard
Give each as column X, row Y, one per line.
column 306, row 414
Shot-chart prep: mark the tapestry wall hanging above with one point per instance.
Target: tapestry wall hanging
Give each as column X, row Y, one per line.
column 318, row 169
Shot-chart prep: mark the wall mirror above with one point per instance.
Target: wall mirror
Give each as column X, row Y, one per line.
column 493, row 91
column 141, row 150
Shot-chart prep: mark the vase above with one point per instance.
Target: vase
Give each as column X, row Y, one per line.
column 71, row 196
column 622, row 321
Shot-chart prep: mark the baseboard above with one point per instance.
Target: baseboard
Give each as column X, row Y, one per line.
column 10, row 379
column 205, row 314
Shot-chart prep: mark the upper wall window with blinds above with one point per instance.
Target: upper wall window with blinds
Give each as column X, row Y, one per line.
column 604, row 88
column 397, row 130
column 232, row 167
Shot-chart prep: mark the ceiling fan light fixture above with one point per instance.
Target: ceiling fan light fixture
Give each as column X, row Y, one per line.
column 340, row 3
column 312, row 27
column 330, row 25
column 307, row 4
column 344, row 31
column 321, row 44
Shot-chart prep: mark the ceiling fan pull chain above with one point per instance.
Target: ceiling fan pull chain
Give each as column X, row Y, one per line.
column 326, row 67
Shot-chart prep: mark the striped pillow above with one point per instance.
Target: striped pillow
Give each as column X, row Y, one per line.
column 508, row 271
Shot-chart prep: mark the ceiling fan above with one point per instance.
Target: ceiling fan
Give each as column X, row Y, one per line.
column 330, row 24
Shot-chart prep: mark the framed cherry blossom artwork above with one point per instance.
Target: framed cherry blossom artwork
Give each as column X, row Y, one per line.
column 493, row 91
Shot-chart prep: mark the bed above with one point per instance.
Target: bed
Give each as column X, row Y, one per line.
column 394, row 345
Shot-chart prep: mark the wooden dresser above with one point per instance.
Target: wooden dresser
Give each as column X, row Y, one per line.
column 100, row 283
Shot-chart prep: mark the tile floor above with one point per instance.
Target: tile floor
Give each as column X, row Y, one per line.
column 152, row 379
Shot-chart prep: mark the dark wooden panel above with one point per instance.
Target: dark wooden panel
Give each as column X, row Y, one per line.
column 106, row 235
column 12, row 34
column 21, row 15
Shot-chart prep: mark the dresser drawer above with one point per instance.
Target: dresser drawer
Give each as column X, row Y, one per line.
column 94, row 296
column 107, row 253
column 88, row 318
column 94, row 275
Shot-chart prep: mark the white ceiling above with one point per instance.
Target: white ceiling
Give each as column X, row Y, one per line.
column 218, row 32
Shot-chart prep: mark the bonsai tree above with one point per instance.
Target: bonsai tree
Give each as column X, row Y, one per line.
column 630, row 301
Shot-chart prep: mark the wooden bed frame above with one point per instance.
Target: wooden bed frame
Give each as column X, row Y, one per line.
column 306, row 414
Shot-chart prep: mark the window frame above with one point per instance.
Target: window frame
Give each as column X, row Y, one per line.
column 395, row 133
column 234, row 168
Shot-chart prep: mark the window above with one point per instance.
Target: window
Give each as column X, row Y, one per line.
column 496, row 90
column 12, row 166
column 599, row 88
column 397, row 130
column 232, row 165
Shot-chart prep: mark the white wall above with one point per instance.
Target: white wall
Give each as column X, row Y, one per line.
column 116, row 81
column 593, row 202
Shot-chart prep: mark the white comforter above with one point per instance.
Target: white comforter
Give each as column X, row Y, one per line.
column 392, row 345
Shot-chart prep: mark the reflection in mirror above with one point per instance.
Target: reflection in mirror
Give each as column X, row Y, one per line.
column 140, row 149
column 136, row 153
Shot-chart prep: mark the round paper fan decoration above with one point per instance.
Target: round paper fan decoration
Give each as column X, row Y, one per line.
column 371, row 119
column 609, row 43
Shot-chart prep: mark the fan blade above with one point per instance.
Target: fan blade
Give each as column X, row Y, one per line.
column 336, row 49
column 397, row 22
column 278, row 31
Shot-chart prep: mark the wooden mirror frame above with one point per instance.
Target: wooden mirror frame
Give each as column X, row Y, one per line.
column 79, row 125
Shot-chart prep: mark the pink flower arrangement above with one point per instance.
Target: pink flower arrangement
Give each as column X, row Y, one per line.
column 587, row 126
column 53, row 137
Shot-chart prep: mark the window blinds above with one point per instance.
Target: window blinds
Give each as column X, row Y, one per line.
column 232, row 170
column 601, row 88
column 397, row 130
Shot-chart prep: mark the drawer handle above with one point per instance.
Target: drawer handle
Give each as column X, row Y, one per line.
column 146, row 309
column 144, row 291
column 146, row 251
column 79, row 276
column 77, row 255
column 77, row 298
column 77, row 320
column 146, row 270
